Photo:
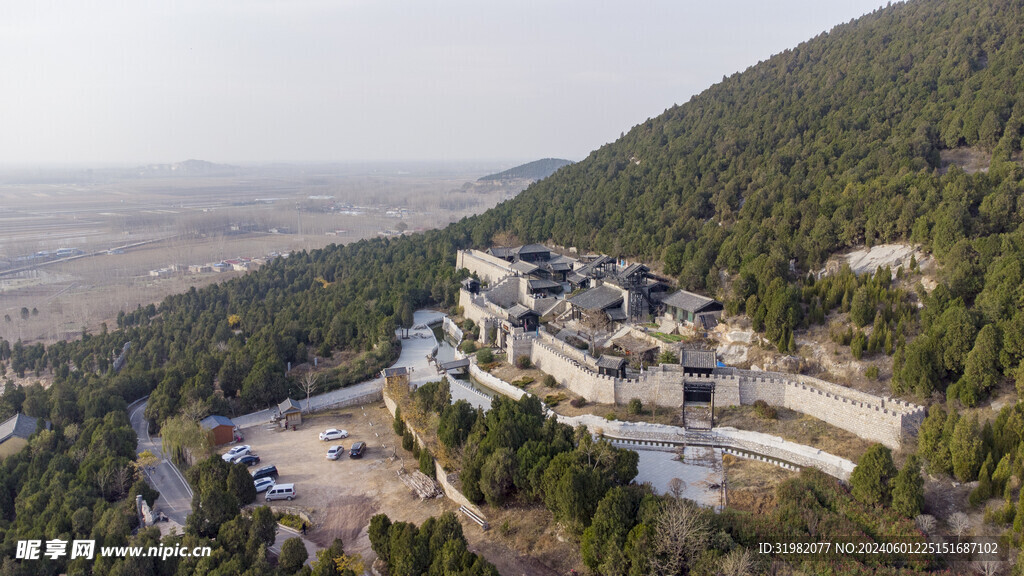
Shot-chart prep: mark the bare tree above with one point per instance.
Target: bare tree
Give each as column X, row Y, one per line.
column 737, row 563
column 676, row 487
column 988, row 567
column 925, row 523
column 309, row 383
column 682, row 532
column 194, row 410
column 122, row 479
column 959, row 523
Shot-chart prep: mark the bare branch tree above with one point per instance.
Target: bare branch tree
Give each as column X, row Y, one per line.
column 988, row 567
column 309, row 383
column 682, row 532
column 959, row 523
column 737, row 563
column 194, row 410
column 925, row 523
column 122, row 479
column 676, row 487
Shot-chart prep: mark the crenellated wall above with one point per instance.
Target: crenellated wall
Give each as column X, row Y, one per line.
column 488, row 268
column 885, row 420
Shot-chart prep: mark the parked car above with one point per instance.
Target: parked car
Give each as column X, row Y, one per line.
column 334, row 452
column 248, row 459
column 265, row 472
column 281, row 492
column 357, row 450
column 263, row 484
column 333, row 434
column 235, row 452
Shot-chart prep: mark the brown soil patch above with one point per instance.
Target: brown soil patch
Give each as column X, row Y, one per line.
column 795, row 427
column 751, row 484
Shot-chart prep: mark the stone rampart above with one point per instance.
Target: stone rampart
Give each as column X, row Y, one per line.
column 488, row 268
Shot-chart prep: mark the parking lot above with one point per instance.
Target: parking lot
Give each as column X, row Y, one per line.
column 340, row 496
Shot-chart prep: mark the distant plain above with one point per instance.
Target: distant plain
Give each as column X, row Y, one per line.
column 124, row 223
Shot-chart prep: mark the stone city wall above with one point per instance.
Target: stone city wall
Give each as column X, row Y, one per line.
column 885, row 420
column 488, row 268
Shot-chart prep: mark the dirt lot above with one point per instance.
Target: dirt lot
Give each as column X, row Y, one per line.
column 341, row 496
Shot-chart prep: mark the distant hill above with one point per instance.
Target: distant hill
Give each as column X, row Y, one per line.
column 189, row 168
column 536, row 170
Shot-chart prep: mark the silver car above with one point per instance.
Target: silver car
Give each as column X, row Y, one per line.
column 263, row 484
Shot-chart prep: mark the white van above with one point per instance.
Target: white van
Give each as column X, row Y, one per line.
column 281, row 492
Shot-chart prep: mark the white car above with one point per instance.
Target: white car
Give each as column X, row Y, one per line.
column 263, row 484
column 236, row 452
column 335, row 452
column 333, row 434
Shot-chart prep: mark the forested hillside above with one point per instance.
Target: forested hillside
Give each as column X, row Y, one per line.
column 832, row 144
column 536, row 170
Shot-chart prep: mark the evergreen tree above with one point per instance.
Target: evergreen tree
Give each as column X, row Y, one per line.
column 908, row 489
column 966, row 449
column 870, row 480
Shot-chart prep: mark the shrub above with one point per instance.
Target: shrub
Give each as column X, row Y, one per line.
column 578, row 402
column 484, row 356
column 611, row 416
column 468, row 346
column 408, row 441
column 635, row 406
column 523, row 362
column 765, row 410
column 550, row 381
column 552, row 400
column 522, row 382
column 872, row 372
column 398, row 424
column 427, row 463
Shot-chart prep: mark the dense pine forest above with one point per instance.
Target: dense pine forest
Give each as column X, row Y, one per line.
column 833, row 144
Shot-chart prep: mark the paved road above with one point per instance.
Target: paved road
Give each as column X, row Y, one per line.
column 175, row 495
column 284, row 533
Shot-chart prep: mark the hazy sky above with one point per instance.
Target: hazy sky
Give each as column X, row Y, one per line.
column 103, row 81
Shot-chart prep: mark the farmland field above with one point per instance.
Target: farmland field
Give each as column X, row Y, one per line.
column 78, row 246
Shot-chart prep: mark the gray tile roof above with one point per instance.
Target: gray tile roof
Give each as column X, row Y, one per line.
column 703, row 359
column 543, row 284
column 690, row 301
column 288, row 405
column 400, row 371
column 215, row 420
column 575, row 278
column 20, row 425
column 518, row 311
column 532, row 249
column 611, row 362
column 525, row 267
column 501, row 252
column 599, row 298
column 634, row 269
column 633, row 345
column 616, row 314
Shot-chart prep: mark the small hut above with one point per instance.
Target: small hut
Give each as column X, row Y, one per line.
column 220, row 428
column 290, row 412
column 614, row 366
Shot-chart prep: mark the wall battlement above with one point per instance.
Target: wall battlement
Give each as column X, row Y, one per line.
column 889, row 421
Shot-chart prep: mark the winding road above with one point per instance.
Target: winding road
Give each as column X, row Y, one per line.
column 175, row 495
